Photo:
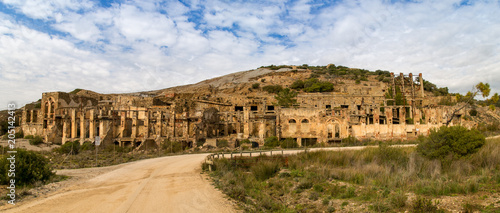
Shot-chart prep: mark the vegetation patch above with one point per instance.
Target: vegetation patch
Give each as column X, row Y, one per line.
column 369, row 180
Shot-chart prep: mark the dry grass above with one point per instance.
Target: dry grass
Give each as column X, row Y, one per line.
column 379, row 177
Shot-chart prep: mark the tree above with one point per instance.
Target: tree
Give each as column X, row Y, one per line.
column 30, row 168
column 480, row 88
column 456, row 141
column 286, row 97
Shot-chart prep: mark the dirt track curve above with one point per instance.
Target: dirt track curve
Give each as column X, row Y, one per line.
column 166, row 184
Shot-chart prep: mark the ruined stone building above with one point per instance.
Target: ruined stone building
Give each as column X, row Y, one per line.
column 229, row 108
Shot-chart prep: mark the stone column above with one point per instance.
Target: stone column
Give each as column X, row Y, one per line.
column 73, row 123
column 92, row 125
column 246, row 121
column 134, row 124
column 64, row 131
column 82, row 127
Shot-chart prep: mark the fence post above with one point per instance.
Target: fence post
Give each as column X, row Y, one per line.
column 281, row 152
column 250, row 154
column 271, row 152
column 231, row 155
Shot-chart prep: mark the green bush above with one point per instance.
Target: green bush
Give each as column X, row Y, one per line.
column 87, row 145
column 456, row 141
column 28, row 137
column 289, row 143
column 36, row 140
column 70, row 147
column 255, row 86
column 271, row 141
column 172, row 146
column 423, row 205
column 473, row 112
column 312, row 85
column 222, row 143
column 31, row 167
column 398, row 200
column 273, row 88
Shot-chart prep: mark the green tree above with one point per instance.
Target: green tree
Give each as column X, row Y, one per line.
column 286, row 97
column 30, row 168
column 454, row 141
column 480, row 88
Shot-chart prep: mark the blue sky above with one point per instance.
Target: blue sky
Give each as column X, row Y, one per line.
column 127, row 46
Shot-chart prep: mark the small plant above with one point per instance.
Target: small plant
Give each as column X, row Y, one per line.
column 28, row 137
column 289, row 143
column 471, row 207
column 271, row 141
column 87, row 145
column 70, row 147
column 222, row 143
column 423, row 205
column 172, row 146
column 398, row 199
column 256, row 86
column 35, row 140
column 263, row 170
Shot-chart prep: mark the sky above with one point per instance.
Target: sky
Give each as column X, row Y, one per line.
column 129, row 46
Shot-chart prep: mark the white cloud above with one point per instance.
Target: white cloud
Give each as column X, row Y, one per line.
column 137, row 46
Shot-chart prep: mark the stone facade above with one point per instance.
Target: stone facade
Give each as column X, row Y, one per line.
column 363, row 111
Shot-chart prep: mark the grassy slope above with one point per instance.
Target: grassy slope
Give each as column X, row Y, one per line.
column 377, row 179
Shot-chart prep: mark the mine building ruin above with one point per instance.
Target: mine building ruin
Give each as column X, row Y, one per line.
column 397, row 109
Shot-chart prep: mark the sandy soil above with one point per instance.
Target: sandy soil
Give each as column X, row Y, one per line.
column 167, row 184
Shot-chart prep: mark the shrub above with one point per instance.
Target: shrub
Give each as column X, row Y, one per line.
column 398, row 200
column 36, row 140
column 171, row 146
column 286, row 98
column 222, row 143
column 423, row 205
column 289, row 143
column 30, row 168
column 70, row 147
column 19, row 134
column 271, row 141
column 264, row 170
column 473, row 112
column 456, row 141
column 28, row 137
column 312, row 85
column 273, row 88
column 255, row 86
column 87, row 145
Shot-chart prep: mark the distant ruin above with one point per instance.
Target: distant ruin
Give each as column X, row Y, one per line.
column 228, row 108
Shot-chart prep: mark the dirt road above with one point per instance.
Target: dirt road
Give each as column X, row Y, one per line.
column 167, row 184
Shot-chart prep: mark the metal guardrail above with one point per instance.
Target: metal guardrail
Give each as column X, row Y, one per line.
column 210, row 158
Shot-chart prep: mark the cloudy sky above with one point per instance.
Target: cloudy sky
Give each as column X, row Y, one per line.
column 126, row 46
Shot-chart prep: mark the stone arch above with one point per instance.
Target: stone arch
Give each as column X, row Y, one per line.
column 334, row 128
column 305, row 121
column 292, row 121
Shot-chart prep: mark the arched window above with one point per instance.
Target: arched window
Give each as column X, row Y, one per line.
column 52, row 106
column 305, row 121
column 292, row 121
